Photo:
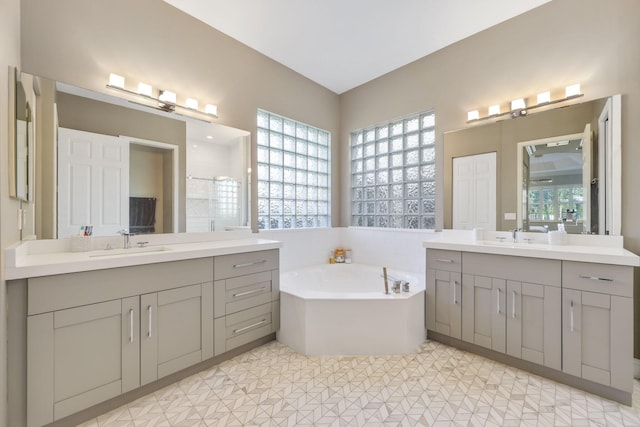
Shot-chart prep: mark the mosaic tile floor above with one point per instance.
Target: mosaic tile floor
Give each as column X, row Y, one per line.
column 435, row 386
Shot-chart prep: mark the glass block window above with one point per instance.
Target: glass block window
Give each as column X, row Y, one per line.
column 293, row 174
column 393, row 174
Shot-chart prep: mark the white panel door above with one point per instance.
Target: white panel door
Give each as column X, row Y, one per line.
column 93, row 182
column 474, row 192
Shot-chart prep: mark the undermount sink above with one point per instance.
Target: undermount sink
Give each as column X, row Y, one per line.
column 130, row 251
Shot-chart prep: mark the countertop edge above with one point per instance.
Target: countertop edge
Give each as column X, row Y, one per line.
column 561, row 253
column 178, row 252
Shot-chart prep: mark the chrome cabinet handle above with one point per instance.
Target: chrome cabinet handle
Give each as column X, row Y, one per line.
column 455, row 292
column 571, row 313
column 445, row 260
column 149, row 310
column 249, row 264
column 254, row 291
column 513, row 304
column 131, row 325
column 498, row 300
column 601, row 279
column 237, row 331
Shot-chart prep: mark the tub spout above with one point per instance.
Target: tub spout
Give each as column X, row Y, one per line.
column 386, row 280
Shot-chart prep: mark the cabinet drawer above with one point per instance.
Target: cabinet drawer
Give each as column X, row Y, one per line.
column 440, row 259
column 243, row 292
column 245, row 263
column 601, row 278
column 521, row 269
column 243, row 327
column 58, row 292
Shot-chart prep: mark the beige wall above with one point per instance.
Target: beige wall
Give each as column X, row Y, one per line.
column 559, row 43
column 80, row 43
column 9, row 56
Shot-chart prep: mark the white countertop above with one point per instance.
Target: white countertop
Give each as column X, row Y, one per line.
column 22, row 263
column 595, row 250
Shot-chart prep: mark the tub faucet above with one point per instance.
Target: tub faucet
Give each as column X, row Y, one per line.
column 127, row 238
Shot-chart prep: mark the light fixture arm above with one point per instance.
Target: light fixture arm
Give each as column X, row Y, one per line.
column 165, row 102
column 473, row 116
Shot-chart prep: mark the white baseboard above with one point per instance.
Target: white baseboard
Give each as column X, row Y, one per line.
column 636, row 368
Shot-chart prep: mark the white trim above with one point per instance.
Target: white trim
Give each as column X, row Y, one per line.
column 610, row 171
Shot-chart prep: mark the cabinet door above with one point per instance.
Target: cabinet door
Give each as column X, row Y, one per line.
column 533, row 316
column 483, row 311
column 176, row 329
column 444, row 302
column 79, row 357
column 597, row 343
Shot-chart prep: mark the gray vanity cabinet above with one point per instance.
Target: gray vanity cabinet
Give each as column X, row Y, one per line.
column 512, row 305
column 81, row 356
column 176, row 330
column 597, row 323
column 89, row 338
column 247, row 298
column 444, row 292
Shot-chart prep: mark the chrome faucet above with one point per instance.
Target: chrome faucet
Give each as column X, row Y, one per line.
column 514, row 235
column 127, row 238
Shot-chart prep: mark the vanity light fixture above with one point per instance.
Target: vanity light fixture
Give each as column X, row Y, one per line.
column 192, row 103
column 557, row 143
column 166, row 100
column 519, row 106
column 572, row 90
column 544, row 97
column 211, row 109
column 145, row 89
column 116, row 80
column 494, row 110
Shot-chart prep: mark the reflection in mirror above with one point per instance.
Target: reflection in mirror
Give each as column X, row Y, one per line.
column 124, row 166
column 23, row 134
column 597, row 208
column 217, row 178
column 554, row 176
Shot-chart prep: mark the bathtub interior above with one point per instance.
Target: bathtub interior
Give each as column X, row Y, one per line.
column 345, row 280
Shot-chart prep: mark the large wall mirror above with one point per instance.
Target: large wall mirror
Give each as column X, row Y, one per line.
column 559, row 167
column 112, row 164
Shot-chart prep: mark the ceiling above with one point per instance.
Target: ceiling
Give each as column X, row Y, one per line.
column 342, row 44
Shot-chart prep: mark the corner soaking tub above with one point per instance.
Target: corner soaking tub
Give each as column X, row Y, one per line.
column 341, row 309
